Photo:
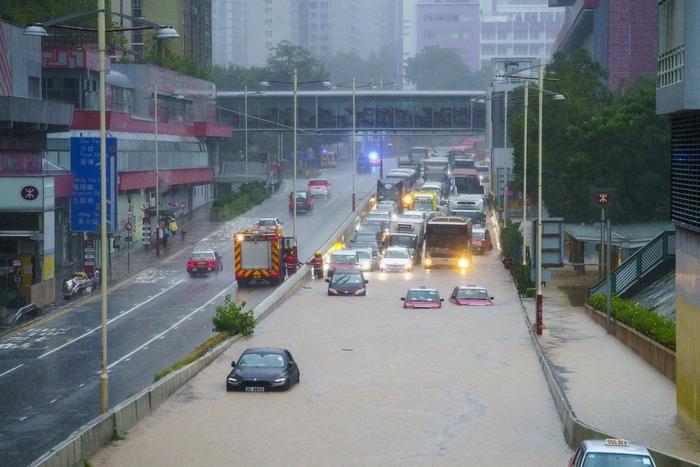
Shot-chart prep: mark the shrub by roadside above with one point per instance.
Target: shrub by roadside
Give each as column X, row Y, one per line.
column 645, row 321
column 233, row 319
column 230, row 205
column 511, row 243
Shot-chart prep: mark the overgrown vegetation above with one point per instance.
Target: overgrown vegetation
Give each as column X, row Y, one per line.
column 596, row 138
column 233, row 319
column 645, row 321
column 159, row 53
column 201, row 350
column 511, row 249
column 229, row 205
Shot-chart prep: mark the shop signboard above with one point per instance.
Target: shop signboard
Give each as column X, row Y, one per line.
column 85, row 201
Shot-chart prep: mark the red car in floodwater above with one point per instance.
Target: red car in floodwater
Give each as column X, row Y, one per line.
column 471, row 296
column 422, row 297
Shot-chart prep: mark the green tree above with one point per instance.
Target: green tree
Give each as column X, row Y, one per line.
column 441, row 69
column 377, row 68
column 596, row 138
column 159, row 53
column 287, row 56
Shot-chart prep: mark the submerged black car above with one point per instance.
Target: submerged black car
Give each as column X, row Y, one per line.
column 263, row 369
column 347, row 282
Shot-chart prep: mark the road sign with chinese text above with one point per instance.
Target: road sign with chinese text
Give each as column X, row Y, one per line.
column 85, row 201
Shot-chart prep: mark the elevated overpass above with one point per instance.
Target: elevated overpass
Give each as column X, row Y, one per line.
column 330, row 112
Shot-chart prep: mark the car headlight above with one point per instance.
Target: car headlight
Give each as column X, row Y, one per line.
column 332, row 291
column 232, row 380
column 428, row 262
column 359, row 291
column 463, row 263
column 382, row 265
column 280, row 380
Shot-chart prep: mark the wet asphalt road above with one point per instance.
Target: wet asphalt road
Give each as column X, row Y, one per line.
column 49, row 373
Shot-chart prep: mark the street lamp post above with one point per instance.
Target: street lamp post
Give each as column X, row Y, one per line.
column 157, row 181
column 354, row 155
column 104, row 275
column 538, row 299
column 525, row 178
column 295, row 83
column 245, row 111
column 505, row 148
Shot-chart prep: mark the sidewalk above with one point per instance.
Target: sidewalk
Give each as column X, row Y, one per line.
column 609, row 386
column 197, row 225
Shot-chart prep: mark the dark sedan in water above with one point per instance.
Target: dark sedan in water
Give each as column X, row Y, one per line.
column 263, row 369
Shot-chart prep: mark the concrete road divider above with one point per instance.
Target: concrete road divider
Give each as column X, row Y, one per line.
column 115, row 423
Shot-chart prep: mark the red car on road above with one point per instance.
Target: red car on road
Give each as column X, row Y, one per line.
column 203, row 262
column 471, row 296
column 422, row 297
column 303, row 200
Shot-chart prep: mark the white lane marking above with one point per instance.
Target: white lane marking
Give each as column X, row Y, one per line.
column 81, row 385
column 52, row 401
column 22, row 419
column 160, row 336
column 121, row 315
column 11, row 369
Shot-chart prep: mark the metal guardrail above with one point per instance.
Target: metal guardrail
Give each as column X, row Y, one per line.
column 638, row 265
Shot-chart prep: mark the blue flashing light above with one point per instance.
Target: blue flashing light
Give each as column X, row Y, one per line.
column 373, row 156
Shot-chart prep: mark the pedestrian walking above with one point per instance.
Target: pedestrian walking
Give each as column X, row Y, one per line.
column 173, row 226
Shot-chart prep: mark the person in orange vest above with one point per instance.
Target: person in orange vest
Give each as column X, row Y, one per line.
column 317, row 263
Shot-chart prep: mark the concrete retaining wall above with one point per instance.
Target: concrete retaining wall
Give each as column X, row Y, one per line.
column 655, row 354
column 575, row 430
column 90, row 438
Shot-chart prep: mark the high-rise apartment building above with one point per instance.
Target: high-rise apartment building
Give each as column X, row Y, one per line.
column 480, row 31
column 192, row 20
column 246, row 30
column 619, row 34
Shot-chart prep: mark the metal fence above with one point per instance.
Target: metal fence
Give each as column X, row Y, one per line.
column 638, row 265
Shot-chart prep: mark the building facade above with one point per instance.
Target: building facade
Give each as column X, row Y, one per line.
column 31, row 191
column 450, row 25
column 191, row 18
column 246, row 31
column 678, row 96
column 621, row 35
column 482, row 31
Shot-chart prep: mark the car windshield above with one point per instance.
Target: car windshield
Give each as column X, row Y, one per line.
column 365, row 237
column 340, row 278
column 373, row 223
column 422, row 295
column 403, row 254
column 605, row 459
column 424, row 206
column 343, row 259
column 261, row 360
column 301, row 195
column 478, row 235
column 473, row 293
column 203, row 255
column 364, row 254
column 267, row 223
column 405, row 241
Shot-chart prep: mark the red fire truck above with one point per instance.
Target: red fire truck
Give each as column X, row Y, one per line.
column 258, row 254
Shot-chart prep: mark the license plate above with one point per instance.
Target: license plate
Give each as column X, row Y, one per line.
column 254, row 389
column 202, row 265
column 194, row 269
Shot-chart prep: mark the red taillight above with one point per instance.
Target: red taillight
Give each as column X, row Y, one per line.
column 190, row 264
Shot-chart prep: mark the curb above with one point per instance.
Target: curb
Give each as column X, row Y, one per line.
column 91, row 437
column 575, row 430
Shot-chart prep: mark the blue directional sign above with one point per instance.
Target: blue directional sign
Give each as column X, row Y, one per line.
column 85, row 201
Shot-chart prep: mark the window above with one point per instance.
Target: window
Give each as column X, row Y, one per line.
column 488, row 35
column 268, row 33
column 519, row 35
column 34, row 88
column 502, row 35
column 268, row 22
